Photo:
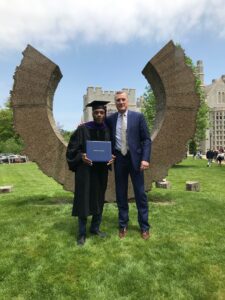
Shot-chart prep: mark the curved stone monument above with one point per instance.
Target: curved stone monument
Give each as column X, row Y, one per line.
column 177, row 103
column 172, row 81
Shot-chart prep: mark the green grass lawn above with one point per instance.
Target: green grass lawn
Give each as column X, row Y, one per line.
column 183, row 259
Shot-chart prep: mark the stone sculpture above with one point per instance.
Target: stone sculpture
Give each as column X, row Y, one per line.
column 172, row 81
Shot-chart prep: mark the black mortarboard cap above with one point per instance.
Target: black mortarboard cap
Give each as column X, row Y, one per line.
column 97, row 104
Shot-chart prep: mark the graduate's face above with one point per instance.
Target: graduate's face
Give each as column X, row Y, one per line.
column 121, row 102
column 99, row 115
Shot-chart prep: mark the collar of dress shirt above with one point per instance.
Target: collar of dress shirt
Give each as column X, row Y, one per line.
column 123, row 114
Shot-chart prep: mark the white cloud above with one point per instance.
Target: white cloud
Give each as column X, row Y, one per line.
column 53, row 24
column 215, row 17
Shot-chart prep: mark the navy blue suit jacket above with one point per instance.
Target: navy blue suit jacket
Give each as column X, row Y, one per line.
column 139, row 141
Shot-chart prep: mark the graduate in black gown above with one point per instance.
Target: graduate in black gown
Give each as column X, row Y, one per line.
column 90, row 177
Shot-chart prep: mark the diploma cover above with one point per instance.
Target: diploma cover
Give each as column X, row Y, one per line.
column 99, row 151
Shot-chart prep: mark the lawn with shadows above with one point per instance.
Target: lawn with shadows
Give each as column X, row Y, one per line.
column 183, row 259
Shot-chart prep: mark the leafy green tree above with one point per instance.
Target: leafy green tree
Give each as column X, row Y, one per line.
column 192, row 147
column 65, row 133
column 202, row 121
column 10, row 146
column 6, row 123
column 9, row 140
column 149, row 106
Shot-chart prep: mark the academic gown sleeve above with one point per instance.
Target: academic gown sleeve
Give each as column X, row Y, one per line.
column 75, row 149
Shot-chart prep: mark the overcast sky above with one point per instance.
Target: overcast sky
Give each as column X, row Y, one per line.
column 107, row 43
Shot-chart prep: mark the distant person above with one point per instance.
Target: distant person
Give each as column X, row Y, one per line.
column 194, row 154
column 215, row 153
column 209, row 156
column 220, row 157
column 199, row 154
column 90, row 177
column 131, row 144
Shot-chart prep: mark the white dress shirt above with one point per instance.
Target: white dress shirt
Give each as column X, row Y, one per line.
column 119, row 129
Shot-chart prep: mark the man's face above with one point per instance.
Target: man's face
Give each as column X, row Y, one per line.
column 99, row 115
column 121, row 102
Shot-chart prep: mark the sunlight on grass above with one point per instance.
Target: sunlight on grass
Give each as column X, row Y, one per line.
column 183, row 259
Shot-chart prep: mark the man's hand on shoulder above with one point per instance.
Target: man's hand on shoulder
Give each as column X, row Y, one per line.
column 144, row 165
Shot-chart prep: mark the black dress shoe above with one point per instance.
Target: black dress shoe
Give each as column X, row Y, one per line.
column 81, row 240
column 99, row 233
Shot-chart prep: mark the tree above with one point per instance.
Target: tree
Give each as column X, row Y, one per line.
column 6, row 122
column 149, row 106
column 10, row 146
column 192, row 147
column 9, row 140
column 65, row 133
column 202, row 120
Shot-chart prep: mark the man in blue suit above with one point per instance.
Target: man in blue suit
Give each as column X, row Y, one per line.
column 131, row 144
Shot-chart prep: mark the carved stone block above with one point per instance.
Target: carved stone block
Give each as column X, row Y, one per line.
column 6, row 189
column 192, row 186
column 163, row 184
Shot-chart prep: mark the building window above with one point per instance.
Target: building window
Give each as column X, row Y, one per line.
column 219, row 97
column 223, row 97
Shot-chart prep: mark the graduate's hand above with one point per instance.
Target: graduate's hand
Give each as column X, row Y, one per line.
column 86, row 160
column 111, row 160
column 144, row 165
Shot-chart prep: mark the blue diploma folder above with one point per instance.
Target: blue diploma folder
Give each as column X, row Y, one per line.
column 99, row 151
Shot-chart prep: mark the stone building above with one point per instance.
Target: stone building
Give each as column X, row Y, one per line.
column 96, row 93
column 215, row 98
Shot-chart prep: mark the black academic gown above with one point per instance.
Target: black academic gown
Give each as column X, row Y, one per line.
column 90, row 181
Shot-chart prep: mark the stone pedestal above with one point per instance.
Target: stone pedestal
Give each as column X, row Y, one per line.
column 192, row 186
column 6, row 189
column 163, row 184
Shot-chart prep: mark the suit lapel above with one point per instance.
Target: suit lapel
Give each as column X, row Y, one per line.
column 114, row 123
column 129, row 120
